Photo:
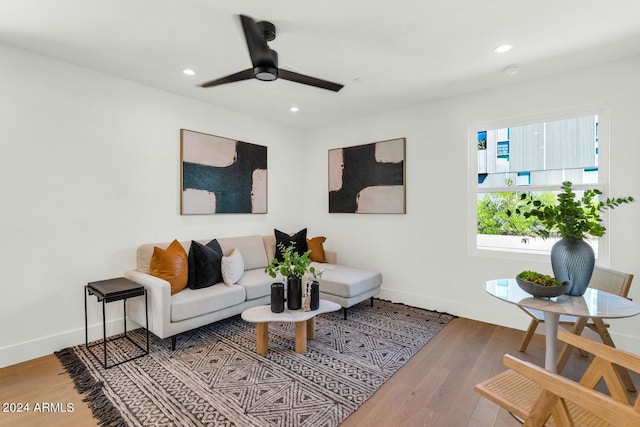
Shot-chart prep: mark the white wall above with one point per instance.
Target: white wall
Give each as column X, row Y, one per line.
column 89, row 170
column 423, row 255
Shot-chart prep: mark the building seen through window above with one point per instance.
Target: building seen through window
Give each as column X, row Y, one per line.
column 534, row 158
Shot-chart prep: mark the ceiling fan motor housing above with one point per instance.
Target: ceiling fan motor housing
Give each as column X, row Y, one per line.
column 265, row 74
column 267, row 70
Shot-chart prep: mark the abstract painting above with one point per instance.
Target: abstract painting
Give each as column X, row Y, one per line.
column 221, row 175
column 368, row 178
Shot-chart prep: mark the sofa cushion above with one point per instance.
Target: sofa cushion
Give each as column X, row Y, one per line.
column 196, row 302
column 144, row 253
column 298, row 240
column 171, row 265
column 232, row 267
column 269, row 246
column 256, row 282
column 204, row 264
column 347, row 282
column 317, row 250
column 251, row 248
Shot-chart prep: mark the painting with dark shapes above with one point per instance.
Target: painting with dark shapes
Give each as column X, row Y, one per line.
column 368, row 178
column 221, row 175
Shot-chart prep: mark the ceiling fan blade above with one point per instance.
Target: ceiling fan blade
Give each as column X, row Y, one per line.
column 242, row 75
column 258, row 49
column 306, row 80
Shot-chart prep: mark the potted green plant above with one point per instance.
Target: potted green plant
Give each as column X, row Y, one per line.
column 572, row 218
column 293, row 266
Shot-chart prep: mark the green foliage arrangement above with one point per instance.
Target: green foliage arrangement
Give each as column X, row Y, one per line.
column 570, row 216
column 292, row 264
column 539, row 278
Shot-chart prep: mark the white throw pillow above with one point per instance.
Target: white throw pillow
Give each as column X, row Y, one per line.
column 232, row 267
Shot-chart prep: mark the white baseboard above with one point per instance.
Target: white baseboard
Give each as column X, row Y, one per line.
column 33, row 349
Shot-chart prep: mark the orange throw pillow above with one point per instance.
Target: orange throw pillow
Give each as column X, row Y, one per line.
column 317, row 250
column 171, row 265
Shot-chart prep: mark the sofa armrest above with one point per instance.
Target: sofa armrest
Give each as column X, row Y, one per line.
column 159, row 300
column 331, row 256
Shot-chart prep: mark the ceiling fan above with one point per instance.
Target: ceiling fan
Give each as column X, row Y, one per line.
column 265, row 60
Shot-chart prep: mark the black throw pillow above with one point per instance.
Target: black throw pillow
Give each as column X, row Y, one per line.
column 204, row 264
column 298, row 239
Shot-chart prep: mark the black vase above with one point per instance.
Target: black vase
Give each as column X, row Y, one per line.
column 277, row 297
column 315, row 295
column 294, row 293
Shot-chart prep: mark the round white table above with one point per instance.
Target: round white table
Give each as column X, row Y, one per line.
column 305, row 323
column 594, row 304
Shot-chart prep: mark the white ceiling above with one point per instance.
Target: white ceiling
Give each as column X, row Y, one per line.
column 388, row 54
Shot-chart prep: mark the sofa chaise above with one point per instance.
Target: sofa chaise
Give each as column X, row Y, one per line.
column 170, row 315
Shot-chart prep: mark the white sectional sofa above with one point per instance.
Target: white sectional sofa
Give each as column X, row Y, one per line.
column 169, row 315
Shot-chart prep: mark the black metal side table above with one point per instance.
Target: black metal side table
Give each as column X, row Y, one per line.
column 108, row 291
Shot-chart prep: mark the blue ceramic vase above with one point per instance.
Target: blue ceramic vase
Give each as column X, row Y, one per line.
column 572, row 260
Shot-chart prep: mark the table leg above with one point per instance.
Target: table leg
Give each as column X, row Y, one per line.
column 86, row 321
column 104, row 333
column 301, row 336
column 262, row 337
column 146, row 317
column 551, row 321
column 311, row 328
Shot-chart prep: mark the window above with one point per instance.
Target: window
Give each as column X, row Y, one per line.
column 533, row 155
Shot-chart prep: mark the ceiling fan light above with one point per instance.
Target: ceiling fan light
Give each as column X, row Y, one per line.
column 265, row 74
column 189, row 72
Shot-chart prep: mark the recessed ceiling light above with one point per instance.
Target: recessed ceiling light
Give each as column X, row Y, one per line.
column 503, row 48
column 511, row 70
column 294, row 109
column 189, row 72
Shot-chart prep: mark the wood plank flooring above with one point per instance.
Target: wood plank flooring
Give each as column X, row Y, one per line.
column 435, row 388
column 39, row 381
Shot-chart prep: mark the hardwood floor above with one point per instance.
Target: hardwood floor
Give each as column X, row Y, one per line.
column 435, row 388
column 41, row 381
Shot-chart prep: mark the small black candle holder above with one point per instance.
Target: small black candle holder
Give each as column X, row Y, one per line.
column 315, row 295
column 277, row 297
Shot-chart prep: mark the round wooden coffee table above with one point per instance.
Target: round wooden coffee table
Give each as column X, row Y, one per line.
column 305, row 323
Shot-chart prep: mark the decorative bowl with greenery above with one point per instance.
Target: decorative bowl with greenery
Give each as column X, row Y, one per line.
column 292, row 265
column 571, row 216
column 539, row 278
column 541, row 285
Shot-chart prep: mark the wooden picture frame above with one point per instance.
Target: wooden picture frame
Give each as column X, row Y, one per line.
column 221, row 175
column 368, row 178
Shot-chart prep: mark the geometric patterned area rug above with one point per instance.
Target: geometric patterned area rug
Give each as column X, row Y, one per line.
column 215, row 378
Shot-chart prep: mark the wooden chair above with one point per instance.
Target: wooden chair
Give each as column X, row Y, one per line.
column 540, row 397
column 603, row 279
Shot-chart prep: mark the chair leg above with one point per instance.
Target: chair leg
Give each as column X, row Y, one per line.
column 603, row 331
column 570, row 329
column 577, row 329
column 529, row 334
column 173, row 342
column 344, row 310
column 371, row 301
